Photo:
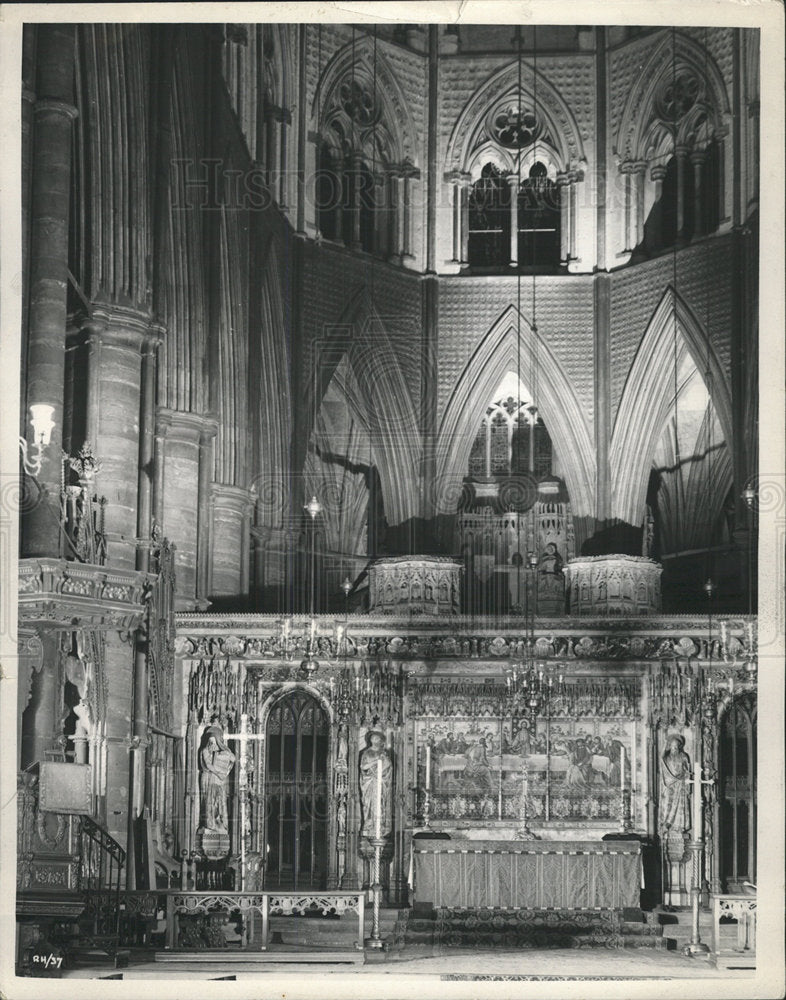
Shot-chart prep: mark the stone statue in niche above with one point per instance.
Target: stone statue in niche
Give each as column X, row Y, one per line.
column 341, row 753
column 370, row 775
column 675, row 771
column 217, row 761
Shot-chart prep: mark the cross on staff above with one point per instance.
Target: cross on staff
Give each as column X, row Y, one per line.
column 697, row 781
column 242, row 738
column 696, row 946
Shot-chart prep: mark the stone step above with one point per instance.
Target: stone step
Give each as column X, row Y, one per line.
column 281, row 954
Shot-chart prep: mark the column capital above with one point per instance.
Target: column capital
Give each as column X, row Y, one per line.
column 698, row 156
column 51, row 106
column 234, row 498
column 627, row 167
column 681, row 151
column 640, row 166
column 182, row 424
column 657, row 173
column 124, row 326
column 408, row 169
column 457, row 176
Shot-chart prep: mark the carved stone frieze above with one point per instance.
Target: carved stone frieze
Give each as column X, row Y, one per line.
column 61, row 594
column 260, row 638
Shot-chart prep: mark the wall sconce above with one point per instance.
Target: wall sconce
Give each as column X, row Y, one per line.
column 42, row 423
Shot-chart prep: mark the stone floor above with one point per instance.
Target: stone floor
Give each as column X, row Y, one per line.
column 467, row 965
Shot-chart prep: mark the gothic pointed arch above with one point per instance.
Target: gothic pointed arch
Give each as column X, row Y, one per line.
column 338, row 463
column 648, row 395
column 358, row 62
column 676, row 57
column 389, row 412
column 509, row 339
column 554, row 127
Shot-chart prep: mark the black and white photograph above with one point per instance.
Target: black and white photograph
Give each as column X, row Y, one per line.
column 392, row 499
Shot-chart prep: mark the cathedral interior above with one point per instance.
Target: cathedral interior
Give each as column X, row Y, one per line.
column 389, row 491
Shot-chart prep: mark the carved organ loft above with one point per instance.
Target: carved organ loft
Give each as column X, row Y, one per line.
column 401, row 484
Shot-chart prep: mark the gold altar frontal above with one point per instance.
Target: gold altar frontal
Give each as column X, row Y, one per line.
column 527, row 874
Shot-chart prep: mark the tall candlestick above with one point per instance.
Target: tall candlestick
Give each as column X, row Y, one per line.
column 428, row 766
column 697, row 800
column 622, row 768
column 379, row 799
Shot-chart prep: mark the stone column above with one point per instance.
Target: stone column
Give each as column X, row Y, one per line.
column 270, row 147
column 117, row 335
column 697, row 159
column 137, row 747
column 572, row 189
column 394, row 208
column 681, row 153
column 657, row 174
column 563, row 180
column 206, row 437
column 466, row 181
column 183, row 462
column 119, row 667
column 53, row 116
column 285, row 120
column 355, row 163
column 260, row 539
column 626, row 171
column 513, row 194
column 640, row 168
column 301, row 130
column 229, row 540
column 454, row 179
column 147, row 449
column 410, row 176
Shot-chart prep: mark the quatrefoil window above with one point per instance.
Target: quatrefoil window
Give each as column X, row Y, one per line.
column 358, row 102
column 677, row 96
column 514, row 126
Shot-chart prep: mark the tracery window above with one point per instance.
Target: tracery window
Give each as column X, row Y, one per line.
column 512, row 224
column 512, row 440
column 362, row 196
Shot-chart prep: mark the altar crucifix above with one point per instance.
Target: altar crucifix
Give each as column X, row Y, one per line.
column 243, row 737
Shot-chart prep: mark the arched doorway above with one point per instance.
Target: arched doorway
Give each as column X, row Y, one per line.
column 737, row 797
column 296, row 793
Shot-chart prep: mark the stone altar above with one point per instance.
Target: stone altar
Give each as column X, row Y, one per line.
column 531, row 874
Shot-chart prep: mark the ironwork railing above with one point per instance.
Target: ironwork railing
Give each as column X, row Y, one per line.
column 101, row 864
column 264, row 904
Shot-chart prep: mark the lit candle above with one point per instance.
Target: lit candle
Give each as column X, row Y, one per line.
column 731, row 685
column 428, row 766
column 379, row 798
column 622, row 768
column 313, row 629
column 357, row 683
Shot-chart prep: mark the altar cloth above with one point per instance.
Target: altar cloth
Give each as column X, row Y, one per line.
column 527, row 874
